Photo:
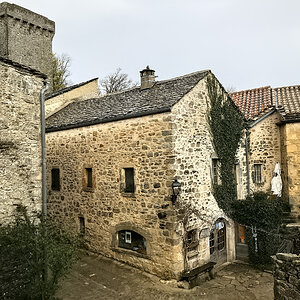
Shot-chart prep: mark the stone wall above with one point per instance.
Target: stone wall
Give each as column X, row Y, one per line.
column 20, row 140
column 291, row 160
column 193, row 149
column 82, row 92
column 265, row 150
column 287, row 276
column 141, row 143
column 19, row 27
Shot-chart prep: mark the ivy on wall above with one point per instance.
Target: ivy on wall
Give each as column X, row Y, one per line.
column 264, row 213
column 227, row 125
column 260, row 211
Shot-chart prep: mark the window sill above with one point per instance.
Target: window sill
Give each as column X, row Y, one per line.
column 89, row 190
column 129, row 252
column 128, row 195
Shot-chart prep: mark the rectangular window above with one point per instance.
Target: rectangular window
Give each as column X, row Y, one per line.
column 81, row 225
column 88, row 179
column 129, row 180
column 55, row 179
column 257, row 177
column 215, row 170
column 128, row 237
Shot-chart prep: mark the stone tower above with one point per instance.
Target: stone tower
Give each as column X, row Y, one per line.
column 26, row 37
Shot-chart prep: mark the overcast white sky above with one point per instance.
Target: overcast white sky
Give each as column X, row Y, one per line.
column 246, row 43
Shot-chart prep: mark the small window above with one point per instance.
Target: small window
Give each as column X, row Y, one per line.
column 215, row 170
column 55, row 179
column 127, row 237
column 257, row 176
column 191, row 236
column 88, row 179
column 212, row 242
column 81, row 225
column 131, row 240
column 191, row 240
column 129, row 180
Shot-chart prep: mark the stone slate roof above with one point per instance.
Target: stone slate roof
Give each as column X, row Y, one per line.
column 124, row 105
column 22, row 67
column 254, row 102
column 288, row 99
column 68, row 89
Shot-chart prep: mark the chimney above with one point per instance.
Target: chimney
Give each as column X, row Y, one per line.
column 147, row 78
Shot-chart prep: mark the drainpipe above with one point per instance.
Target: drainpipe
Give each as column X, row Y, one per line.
column 247, row 161
column 43, row 138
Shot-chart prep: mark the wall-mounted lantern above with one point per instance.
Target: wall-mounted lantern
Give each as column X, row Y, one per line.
column 176, row 188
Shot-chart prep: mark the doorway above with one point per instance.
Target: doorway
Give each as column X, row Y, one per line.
column 217, row 242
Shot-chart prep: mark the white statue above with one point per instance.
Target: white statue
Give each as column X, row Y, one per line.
column 276, row 183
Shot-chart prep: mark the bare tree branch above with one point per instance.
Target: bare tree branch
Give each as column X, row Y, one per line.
column 116, row 82
column 60, row 71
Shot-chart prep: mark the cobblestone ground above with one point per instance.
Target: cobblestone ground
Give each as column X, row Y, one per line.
column 95, row 277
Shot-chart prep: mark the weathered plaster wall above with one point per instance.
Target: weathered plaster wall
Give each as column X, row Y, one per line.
column 142, row 143
column 26, row 37
column 87, row 91
column 193, row 167
column 287, row 276
column 291, row 161
column 264, row 150
column 20, row 141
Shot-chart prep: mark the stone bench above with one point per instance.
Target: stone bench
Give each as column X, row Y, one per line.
column 199, row 274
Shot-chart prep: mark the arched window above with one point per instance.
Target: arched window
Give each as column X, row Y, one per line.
column 131, row 240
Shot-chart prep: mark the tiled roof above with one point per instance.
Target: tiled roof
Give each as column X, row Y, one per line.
column 288, row 98
column 126, row 104
column 68, row 89
column 254, row 102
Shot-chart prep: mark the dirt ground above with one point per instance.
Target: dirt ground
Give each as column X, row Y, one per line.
column 96, row 277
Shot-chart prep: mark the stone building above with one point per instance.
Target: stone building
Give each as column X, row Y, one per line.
column 20, row 138
column 273, row 116
column 22, row 79
column 111, row 163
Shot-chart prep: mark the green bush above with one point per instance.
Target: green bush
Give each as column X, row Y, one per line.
column 265, row 213
column 34, row 254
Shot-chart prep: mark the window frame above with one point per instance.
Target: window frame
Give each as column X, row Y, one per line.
column 215, row 167
column 128, row 181
column 257, row 173
column 88, row 179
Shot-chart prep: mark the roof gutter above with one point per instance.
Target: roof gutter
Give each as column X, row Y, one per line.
column 262, row 118
column 43, row 138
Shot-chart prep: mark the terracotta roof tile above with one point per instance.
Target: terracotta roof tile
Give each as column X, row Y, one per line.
column 253, row 102
column 288, row 99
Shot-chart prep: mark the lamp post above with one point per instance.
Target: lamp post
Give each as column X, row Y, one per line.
column 176, row 188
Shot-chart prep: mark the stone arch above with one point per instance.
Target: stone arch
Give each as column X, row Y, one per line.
column 128, row 226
